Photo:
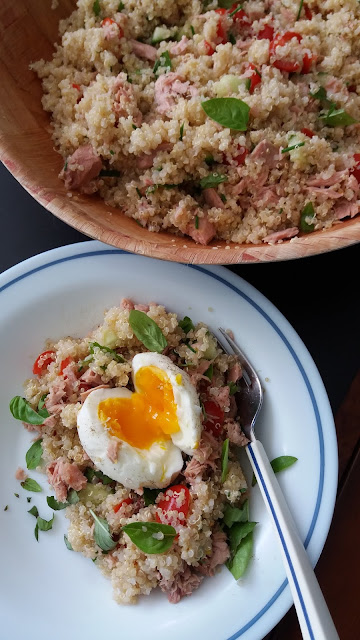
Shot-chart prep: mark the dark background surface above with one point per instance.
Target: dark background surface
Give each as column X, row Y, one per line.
column 318, row 295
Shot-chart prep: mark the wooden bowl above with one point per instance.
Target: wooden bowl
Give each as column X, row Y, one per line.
column 28, row 29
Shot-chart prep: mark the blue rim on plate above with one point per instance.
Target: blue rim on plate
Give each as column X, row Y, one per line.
column 209, row 272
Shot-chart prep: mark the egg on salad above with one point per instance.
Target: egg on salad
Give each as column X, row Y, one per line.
column 137, row 438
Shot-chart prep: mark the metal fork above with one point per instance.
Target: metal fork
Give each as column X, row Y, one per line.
column 312, row 611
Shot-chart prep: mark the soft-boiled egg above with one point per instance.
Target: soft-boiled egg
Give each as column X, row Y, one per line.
column 138, row 438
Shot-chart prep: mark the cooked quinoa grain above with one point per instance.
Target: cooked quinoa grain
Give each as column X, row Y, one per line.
column 192, row 506
column 127, row 90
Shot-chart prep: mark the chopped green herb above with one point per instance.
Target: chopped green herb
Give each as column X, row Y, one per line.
column 16, row 495
column 238, row 8
column 147, row 331
column 96, row 8
column 224, row 459
column 31, row 485
column 121, row 6
column 36, row 532
column 181, row 131
column 68, row 545
column 158, row 169
column 90, row 473
column 33, row 455
column 109, row 173
column 247, row 84
column 116, row 356
column 209, row 160
column 34, row 511
column 196, row 222
column 54, row 504
column 209, row 372
column 28, row 499
column 229, row 112
column 223, row 197
column 150, row 537
column 65, row 165
column 72, row 497
column 192, row 30
column 102, row 535
column 231, row 38
column 233, row 388
column 164, row 61
column 321, row 95
column 45, row 525
column 212, row 180
column 306, row 214
column 279, row 464
column 150, row 496
column 6, row 508
column 186, row 324
column 187, row 342
column 337, row 118
column 139, row 192
column 294, row 146
column 300, row 8
column 22, row 410
column 134, row 126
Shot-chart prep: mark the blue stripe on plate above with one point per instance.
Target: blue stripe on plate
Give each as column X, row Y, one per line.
column 87, row 254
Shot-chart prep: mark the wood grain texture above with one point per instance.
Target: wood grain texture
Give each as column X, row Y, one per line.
column 28, row 29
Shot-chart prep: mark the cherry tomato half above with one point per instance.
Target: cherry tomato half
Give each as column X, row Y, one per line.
column 279, row 41
column 255, row 77
column 308, row 12
column 118, row 506
column 42, row 362
column 266, row 33
column 214, row 417
column 64, row 364
column 307, row 62
column 108, row 21
column 169, row 503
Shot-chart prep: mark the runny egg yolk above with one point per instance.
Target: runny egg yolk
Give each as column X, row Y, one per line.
column 148, row 416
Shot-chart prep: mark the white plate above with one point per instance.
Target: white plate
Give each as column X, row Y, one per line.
column 48, row 591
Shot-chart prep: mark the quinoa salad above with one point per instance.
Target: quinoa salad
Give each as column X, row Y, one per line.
column 136, row 427
column 214, row 120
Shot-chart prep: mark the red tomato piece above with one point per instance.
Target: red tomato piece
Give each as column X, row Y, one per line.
column 214, row 417
column 279, row 41
column 222, row 12
column 240, row 16
column 290, row 66
column 356, row 170
column 64, row 364
column 307, row 62
column 308, row 12
column 308, row 132
column 220, row 33
column 42, row 362
column 209, row 50
column 76, row 86
column 118, row 506
column 241, row 156
column 266, row 33
column 255, row 77
column 169, row 503
column 107, row 21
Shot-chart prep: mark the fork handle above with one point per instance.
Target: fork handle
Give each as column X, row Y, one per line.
column 312, row 611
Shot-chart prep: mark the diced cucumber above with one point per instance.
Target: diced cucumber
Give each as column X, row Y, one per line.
column 227, row 85
column 211, row 350
column 94, row 493
column 160, row 34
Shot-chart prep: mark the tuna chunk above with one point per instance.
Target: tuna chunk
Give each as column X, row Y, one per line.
column 220, row 553
column 212, row 198
column 168, row 87
column 127, row 304
column 235, row 435
column 202, row 232
column 345, row 208
column 21, row 474
column 234, row 372
column 221, row 395
column 63, row 475
column 207, row 455
column 146, row 160
column 125, row 102
column 266, row 153
column 92, row 378
column 320, row 181
column 179, row 47
column 182, row 585
column 143, row 50
column 56, row 395
column 281, row 235
column 82, row 166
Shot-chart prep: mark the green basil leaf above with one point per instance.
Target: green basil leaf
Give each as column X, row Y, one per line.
column 33, row 455
column 150, row 496
column 233, row 388
column 34, row 511
column 72, row 497
column 236, row 514
column 22, row 410
column 238, row 532
column 116, row 356
column 102, row 535
column 229, row 112
column 321, row 95
column 150, row 537
column 54, row 504
column 224, row 459
column 30, row 485
column 147, row 331
column 163, row 61
column 41, row 404
column 307, row 212
column 238, row 564
column 186, row 324
column 212, row 180
column 45, row 525
column 279, row 464
column 337, row 118
column 90, row 473
column 68, row 543
column 36, row 532
column 96, row 7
